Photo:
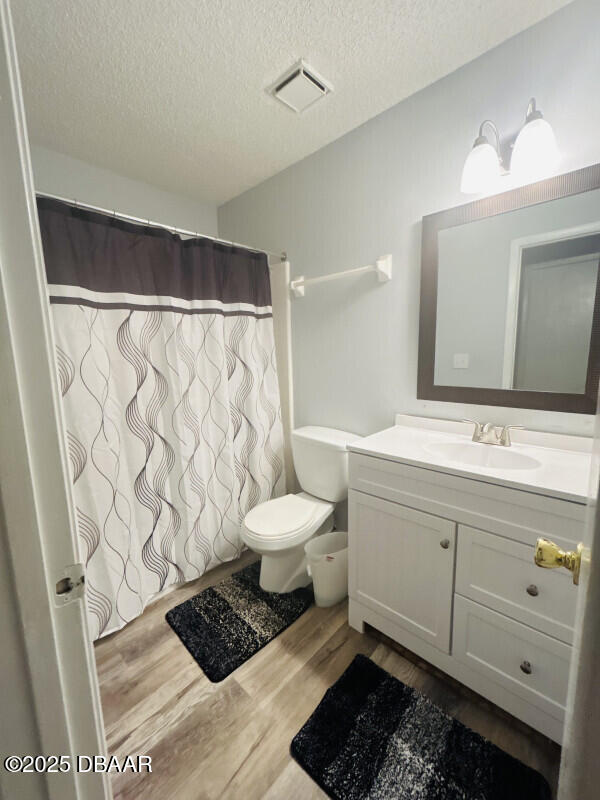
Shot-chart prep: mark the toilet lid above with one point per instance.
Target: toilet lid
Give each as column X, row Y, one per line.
column 282, row 516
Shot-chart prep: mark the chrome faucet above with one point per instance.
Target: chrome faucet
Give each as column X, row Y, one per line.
column 492, row 434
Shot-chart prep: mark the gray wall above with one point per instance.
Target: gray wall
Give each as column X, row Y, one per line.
column 62, row 175
column 355, row 342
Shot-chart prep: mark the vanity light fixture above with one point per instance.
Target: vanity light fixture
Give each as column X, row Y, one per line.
column 535, row 155
column 483, row 165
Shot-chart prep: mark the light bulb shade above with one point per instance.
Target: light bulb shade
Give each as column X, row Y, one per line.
column 481, row 171
column 535, row 154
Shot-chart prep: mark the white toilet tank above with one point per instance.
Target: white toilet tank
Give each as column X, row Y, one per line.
column 321, row 461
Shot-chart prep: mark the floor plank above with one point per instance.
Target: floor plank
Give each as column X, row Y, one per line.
column 231, row 739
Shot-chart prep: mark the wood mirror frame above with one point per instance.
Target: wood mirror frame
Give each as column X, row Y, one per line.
column 571, row 183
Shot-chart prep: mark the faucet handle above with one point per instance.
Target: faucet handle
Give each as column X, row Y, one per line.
column 505, row 434
column 477, row 430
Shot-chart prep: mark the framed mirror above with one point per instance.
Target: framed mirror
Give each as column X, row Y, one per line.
column 510, row 306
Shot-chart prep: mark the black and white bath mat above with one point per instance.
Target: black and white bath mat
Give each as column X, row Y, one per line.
column 373, row 737
column 225, row 625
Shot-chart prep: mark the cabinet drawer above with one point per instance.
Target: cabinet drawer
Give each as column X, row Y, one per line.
column 504, row 650
column 501, row 574
column 512, row 513
column 401, row 564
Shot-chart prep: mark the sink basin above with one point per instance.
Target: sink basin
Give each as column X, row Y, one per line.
column 482, row 455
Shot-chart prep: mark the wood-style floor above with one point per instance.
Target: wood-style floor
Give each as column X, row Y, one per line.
column 231, row 739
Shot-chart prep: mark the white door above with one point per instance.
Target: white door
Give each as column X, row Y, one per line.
column 556, row 309
column 580, row 765
column 401, row 564
column 59, row 696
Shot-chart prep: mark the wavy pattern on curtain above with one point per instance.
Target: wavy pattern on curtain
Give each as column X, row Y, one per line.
column 166, row 361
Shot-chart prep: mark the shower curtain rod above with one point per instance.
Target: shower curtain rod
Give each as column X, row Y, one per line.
column 282, row 256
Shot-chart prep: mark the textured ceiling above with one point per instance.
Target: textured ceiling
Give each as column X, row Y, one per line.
column 172, row 91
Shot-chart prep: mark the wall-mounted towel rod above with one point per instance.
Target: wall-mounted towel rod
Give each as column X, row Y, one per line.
column 383, row 268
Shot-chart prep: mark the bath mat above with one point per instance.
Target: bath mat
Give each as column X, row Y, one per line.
column 373, row 737
column 225, row 625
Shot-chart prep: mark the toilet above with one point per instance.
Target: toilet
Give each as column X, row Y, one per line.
column 278, row 529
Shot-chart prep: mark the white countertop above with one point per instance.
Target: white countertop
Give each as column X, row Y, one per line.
column 564, row 461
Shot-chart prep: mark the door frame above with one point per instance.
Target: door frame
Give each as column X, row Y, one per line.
column 579, row 776
column 39, row 528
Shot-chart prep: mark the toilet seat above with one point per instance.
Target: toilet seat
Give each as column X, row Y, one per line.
column 285, row 522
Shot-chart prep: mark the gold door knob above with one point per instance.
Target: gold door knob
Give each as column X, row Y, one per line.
column 550, row 556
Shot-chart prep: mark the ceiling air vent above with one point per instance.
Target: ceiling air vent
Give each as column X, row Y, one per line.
column 300, row 87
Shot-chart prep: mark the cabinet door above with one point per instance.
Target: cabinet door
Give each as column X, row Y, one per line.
column 401, row 564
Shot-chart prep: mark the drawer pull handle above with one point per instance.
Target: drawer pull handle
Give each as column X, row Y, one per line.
column 445, row 544
column 526, row 667
column 532, row 589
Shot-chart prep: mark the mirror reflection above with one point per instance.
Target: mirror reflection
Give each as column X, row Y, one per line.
column 517, row 297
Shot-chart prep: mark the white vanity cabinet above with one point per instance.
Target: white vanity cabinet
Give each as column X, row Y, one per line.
column 443, row 564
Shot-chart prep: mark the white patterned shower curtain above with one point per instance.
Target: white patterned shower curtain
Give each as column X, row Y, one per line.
column 166, row 362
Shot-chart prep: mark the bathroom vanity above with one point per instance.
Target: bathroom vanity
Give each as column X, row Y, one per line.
column 442, row 534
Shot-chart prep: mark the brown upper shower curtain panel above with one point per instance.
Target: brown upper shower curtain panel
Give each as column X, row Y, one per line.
column 166, row 362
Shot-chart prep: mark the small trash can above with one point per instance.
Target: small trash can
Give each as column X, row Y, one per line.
column 327, row 564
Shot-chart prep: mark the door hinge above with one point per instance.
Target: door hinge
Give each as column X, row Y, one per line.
column 70, row 585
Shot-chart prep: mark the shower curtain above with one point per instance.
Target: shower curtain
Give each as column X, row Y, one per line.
column 166, row 364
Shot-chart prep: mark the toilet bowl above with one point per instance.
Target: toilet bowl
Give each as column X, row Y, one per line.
column 278, row 529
